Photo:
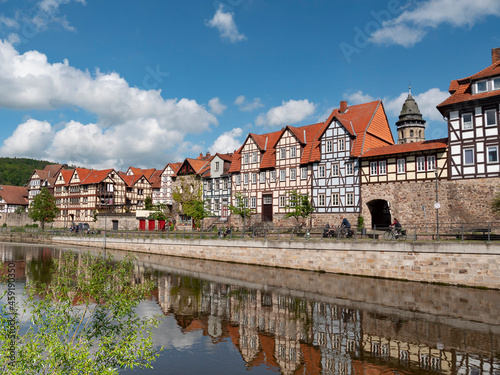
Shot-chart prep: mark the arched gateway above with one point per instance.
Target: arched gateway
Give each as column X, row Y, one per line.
column 381, row 214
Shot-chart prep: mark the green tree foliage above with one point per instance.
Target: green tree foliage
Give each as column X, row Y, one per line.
column 240, row 208
column 189, row 196
column 148, row 203
column 43, row 208
column 299, row 206
column 495, row 204
column 83, row 321
column 17, row 172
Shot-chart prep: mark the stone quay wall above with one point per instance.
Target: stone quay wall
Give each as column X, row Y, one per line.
column 469, row 264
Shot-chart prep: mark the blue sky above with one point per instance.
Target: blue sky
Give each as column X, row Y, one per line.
column 121, row 83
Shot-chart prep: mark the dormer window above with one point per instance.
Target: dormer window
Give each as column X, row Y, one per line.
column 496, row 83
column 216, row 166
column 482, row 86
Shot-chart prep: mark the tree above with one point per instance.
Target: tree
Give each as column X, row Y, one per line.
column 189, row 196
column 495, row 204
column 43, row 208
column 241, row 208
column 83, row 321
column 299, row 206
column 148, row 203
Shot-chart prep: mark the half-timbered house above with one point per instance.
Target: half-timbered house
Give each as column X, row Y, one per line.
column 217, row 185
column 138, row 187
column 43, row 178
column 13, row 198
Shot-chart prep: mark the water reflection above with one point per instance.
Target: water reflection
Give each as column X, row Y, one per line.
column 292, row 322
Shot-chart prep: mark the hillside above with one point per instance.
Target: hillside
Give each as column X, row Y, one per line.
column 17, row 171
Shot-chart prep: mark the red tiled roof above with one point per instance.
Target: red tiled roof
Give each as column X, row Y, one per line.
column 156, row 179
column 145, row 172
column 236, row 162
column 14, row 194
column 461, row 89
column 67, row 174
column 270, row 139
column 95, row 177
column 407, row 148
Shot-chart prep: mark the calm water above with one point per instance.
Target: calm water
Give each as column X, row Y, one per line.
column 232, row 319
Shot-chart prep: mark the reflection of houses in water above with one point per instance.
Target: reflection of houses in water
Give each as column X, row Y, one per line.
column 300, row 336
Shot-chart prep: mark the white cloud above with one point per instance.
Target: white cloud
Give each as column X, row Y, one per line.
column 224, row 23
column 227, row 142
column 412, row 25
column 244, row 105
column 216, row 106
column 288, row 113
column 359, row 97
column 131, row 123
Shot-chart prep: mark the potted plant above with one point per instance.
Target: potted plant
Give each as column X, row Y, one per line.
column 361, row 225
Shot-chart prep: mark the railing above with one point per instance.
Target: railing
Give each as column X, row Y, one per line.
column 457, row 233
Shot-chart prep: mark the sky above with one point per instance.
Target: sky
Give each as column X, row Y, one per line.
column 119, row 83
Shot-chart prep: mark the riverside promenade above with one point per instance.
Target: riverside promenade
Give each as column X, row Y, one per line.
column 473, row 264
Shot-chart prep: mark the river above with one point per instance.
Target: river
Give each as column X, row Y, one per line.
column 224, row 318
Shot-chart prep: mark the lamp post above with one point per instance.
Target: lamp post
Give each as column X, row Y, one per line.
column 437, row 206
column 244, row 210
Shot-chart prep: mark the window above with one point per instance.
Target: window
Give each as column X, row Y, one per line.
column 140, row 191
column 245, row 179
column 208, row 185
column 349, row 199
column 253, row 202
column 216, row 205
column 467, row 121
column 382, row 167
column 238, row 179
column 321, row 199
column 335, row 199
column 401, row 165
column 335, row 169
column 328, row 146
column 293, row 151
column 468, row 156
column 491, row 117
column 482, row 86
column 272, row 176
column 303, row 173
column 493, row 154
column 349, row 169
column 282, row 153
column 255, row 157
column 246, row 158
column 431, row 163
column 262, row 178
column 254, row 178
column 282, row 201
column 321, row 172
column 216, row 166
column 421, row 164
column 496, row 84
column 341, row 145
column 226, row 183
column 293, row 174
column 268, row 199
column 282, row 174
column 373, row 168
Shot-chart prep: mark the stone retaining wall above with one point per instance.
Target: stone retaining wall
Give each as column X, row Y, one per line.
column 470, row 264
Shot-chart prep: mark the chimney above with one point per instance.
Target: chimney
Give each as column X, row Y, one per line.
column 343, row 106
column 495, row 55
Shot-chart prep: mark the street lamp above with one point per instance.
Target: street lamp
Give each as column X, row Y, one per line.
column 437, row 206
column 244, row 210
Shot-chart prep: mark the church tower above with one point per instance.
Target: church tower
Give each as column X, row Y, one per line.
column 411, row 125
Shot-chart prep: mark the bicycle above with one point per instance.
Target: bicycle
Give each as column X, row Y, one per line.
column 395, row 233
column 345, row 232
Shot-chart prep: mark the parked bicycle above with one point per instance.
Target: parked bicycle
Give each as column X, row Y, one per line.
column 395, row 233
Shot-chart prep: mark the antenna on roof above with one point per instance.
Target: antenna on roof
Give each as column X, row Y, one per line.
column 409, row 88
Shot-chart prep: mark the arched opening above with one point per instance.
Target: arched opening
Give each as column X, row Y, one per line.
column 411, row 133
column 381, row 214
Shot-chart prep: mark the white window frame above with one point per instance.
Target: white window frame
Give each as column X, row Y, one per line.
column 245, row 179
column 470, row 152
column 335, row 170
column 255, row 158
column 488, row 113
column 267, row 199
column 283, row 153
column 328, row 146
column 262, row 177
column 272, row 175
column 495, row 149
column 216, row 166
column 431, row 162
column 349, row 199
column 246, row 158
column 341, row 144
column 496, row 83
column 321, row 171
column 373, row 168
column 485, row 86
column 335, row 199
column 467, row 125
column 321, row 200
column 282, row 174
column 253, row 202
column 420, row 163
column 349, row 169
column 401, row 166
column 293, row 151
column 293, row 174
column 282, row 201
column 254, row 177
column 382, row 167
column 303, row 173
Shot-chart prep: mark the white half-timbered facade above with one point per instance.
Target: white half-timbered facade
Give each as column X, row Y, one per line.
column 217, row 185
column 163, row 193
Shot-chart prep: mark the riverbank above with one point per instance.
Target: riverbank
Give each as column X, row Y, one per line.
column 468, row 264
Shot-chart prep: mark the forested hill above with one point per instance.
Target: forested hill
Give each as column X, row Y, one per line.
column 17, row 171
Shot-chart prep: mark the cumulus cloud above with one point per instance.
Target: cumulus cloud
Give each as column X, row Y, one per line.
column 413, row 24
column 245, row 105
column 227, row 142
column 224, row 23
column 131, row 123
column 287, row 113
column 216, row 106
